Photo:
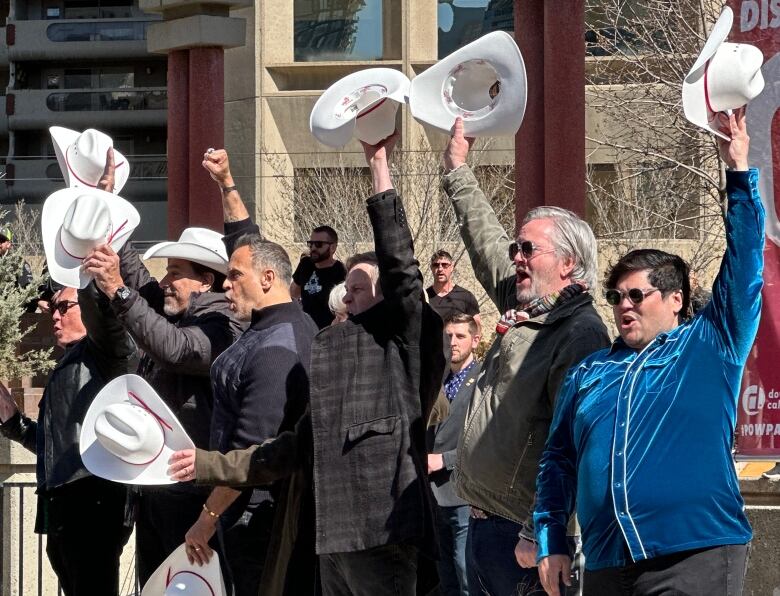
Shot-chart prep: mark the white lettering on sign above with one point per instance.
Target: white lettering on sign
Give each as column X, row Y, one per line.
column 764, row 14
column 759, row 430
column 753, row 399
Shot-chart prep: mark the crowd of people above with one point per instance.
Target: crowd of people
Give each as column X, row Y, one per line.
column 348, row 441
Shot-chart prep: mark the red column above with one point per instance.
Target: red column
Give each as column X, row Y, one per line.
column 178, row 142
column 550, row 145
column 206, row 129
column 195, row 123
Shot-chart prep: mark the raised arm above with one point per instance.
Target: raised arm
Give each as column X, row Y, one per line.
column 399, row 271
column 484, row 237
column 735, row 308
column 109, row 343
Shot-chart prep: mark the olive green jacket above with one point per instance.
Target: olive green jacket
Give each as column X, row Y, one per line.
column 512, row 406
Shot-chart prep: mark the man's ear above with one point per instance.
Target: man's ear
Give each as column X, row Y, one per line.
column 267, row 279
column 207, row 280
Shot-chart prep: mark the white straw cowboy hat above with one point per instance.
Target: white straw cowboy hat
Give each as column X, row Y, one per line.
column 129, row 433
column 199, row 245
column 725, row 76
column 484, row 83
column 76, row 220
column 82, row 157
column 362, row 104
column 176, row 576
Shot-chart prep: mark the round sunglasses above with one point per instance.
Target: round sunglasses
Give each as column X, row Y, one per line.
column 528, row 249
column 635, row 295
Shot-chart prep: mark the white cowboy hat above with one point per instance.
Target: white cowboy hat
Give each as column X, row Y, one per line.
column 76, row 220
column 176, row 576
column 725, row 76
column 199, row 245
column 82, row 157
column 362, row 104
column 484, row 83
column 129, row 433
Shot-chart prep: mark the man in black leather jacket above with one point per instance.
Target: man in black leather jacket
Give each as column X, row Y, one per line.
column 83, row 516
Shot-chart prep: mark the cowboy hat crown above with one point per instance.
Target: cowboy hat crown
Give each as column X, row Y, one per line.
column 87, row 225
column 130, row 432
column 176, row 576
column 199, row 245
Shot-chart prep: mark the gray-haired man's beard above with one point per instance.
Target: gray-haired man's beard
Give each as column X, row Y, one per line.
column 172, row 308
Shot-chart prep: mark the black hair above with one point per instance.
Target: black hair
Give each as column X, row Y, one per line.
column 334, row 237
column 666, row 271
column 219, row 278
column 441, row 254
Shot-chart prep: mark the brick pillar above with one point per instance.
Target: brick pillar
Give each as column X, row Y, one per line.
column 550, row 145
column 178, row 142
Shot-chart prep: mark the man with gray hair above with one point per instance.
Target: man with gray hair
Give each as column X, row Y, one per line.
column 260, row 384
column 541, row 284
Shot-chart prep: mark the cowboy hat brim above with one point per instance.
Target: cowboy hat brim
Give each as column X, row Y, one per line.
column 188, row 252
column 101, row 462
column 176, row 564
column 62, row 138
column 503, row 117
column 65, row 268
column 333, row 129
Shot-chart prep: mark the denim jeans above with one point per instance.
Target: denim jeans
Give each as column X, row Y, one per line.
column 717, row 571
column 490, row 560
column 452, row 527
column 382, row 571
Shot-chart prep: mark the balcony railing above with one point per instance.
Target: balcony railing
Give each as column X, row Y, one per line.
column 98, row 31
column 98, row 101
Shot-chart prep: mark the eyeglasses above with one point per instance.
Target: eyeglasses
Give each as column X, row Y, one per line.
column 62, row 306
column 528, row 249
column 317, row 243
column 635, row 295
column 435, row 266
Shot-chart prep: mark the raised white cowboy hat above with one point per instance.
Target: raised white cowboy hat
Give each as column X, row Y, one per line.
column 76, row 220
column 484, row 83
column 362, row 104
column 199, row 245
column 82, row 157
column 725, row 76
column 176, row 576
column 129, row 433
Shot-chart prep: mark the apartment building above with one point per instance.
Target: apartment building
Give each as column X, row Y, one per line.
column 81, row 64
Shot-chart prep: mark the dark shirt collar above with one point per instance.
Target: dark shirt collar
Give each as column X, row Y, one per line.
column 273, row 315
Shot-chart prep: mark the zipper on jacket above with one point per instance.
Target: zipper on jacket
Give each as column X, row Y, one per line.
column 528, row 444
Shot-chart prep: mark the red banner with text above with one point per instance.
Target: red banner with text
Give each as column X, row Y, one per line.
column 757, row 22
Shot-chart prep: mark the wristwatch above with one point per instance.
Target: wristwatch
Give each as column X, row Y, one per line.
column 122, row 293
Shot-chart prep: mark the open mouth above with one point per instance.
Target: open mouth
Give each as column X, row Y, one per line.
column 521, row 277
column 626, row 321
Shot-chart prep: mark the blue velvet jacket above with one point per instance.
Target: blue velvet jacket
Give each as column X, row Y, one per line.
column 643, row 439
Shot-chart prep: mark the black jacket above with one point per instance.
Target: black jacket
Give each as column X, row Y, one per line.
column 83, row 370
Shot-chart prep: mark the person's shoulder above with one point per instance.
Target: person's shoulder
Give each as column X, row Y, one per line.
column 340, row 266
column 430, row 292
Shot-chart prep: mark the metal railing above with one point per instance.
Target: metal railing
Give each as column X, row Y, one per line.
column 129, row 585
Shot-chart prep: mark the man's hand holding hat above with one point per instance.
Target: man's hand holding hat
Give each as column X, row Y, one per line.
column 103, row 265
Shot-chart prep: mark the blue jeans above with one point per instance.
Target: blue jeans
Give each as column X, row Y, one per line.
column 452, row 526
column 490, row 560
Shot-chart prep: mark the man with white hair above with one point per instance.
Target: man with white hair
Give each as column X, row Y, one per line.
column 541, row 283
column 182, row 323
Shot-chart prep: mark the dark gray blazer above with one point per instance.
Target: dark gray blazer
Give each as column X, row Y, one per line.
column 443, row 438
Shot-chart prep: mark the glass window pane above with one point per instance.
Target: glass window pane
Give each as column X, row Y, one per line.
column 338, row 30
column 462, row 21
column 78, row 78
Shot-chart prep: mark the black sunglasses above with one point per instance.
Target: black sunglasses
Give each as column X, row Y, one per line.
column 435, row 266
column 317, row 243
column 62, row 306
column 635, row 295
column 526, row 248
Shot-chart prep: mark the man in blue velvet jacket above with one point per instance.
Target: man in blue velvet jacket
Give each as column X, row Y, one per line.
column 642, row 432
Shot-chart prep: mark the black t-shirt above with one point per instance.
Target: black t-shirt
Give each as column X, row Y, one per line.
column 316, row 285
column 458, row 300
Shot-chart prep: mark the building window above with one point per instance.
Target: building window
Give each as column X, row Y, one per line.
column 462, row 21
column 98, row 9
column 121, row 31
column 97, row 101
column 338, row 30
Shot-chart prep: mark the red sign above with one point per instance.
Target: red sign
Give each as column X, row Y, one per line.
column 757, row 22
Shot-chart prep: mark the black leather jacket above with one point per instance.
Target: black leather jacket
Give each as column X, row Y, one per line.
column 83, row 370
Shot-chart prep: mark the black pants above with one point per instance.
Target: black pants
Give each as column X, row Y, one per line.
column 717, row 571
column 162, row 519
column 381, row 571
column 86, row 531
column 245, row 544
